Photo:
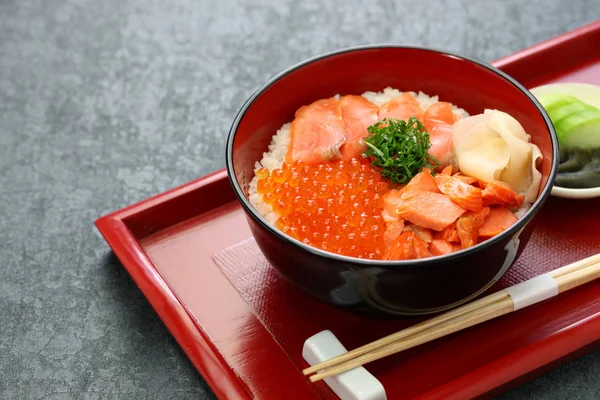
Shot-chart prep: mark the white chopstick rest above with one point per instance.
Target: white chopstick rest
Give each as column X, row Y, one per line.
column 532, row 291
column 355, row 384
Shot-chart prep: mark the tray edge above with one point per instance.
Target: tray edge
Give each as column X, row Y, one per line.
column 209, row 362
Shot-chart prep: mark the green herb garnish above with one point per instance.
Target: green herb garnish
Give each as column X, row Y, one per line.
column 398, row 149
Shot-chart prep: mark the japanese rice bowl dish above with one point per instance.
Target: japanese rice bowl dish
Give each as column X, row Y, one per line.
column 395, row 175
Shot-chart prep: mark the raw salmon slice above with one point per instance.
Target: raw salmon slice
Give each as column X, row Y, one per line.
column 463, row 194
column 442, row 145
column 498, row 220
column 421, row 247
column 438, row 119
column 423, row 233
column 437, row 114
column 422, row 182
column 401, row 107
column 447, row 170
column 387, row 217
column 495, row 194
column 428, row 209
column 467, row 227
column 402, row 249
column 449, row 234
column 358, row 114
column 317, row 132
column 392, row 231
column 408, row 246
column 439, row 247
column 469, row 180
column 390, row 201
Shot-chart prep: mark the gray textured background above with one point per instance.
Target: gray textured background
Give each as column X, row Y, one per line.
column 104, row 103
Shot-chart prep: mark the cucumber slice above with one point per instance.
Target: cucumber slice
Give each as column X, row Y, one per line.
column 550, row 101
column 574, row 111
column 557, row 114
column 585, row 92
column 559, row 106
column 580, row 130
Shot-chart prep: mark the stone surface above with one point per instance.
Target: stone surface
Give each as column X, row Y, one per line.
column 104, row 103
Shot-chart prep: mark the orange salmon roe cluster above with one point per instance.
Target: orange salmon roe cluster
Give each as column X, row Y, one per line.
column 334, row 206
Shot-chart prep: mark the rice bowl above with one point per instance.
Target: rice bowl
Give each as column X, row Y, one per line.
column 430, row 237
column 375, row 286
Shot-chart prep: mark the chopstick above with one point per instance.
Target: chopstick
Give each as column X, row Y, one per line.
column 484, row 309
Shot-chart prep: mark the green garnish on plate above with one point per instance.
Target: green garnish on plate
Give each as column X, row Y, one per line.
column 399, row 149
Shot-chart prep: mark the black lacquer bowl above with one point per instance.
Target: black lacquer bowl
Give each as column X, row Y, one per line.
column 387, row 288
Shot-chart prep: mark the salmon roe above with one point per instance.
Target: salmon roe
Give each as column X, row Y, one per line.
column 334, row 206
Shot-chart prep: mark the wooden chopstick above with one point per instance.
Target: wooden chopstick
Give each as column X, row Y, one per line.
column 489, row 307
column 583, row 263
column 578, row 278
column 443, row 329
column 417, row 328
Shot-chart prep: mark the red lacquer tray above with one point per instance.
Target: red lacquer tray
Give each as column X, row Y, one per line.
column 245, row 333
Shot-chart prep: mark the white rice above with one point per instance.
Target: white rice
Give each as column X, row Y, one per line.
column 523, row 210
column 280, row 143
column 380, row 98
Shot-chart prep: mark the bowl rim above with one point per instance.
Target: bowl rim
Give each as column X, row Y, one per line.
column 424, row 262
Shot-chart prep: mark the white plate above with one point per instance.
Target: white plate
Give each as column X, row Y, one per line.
column 589, row 94
column 569, row 193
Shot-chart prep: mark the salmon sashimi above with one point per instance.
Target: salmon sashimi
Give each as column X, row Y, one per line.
column 390, row 201
column 465, row 195
column 447, row 170
column 498, row 220
column 423, row 233
column 449, row 234
column 317, row 132
column 439, row 247
column 402, row 249
column 392, row 231
column 467, row 226
column 438, row 119
column 428, row 209
column 401, row 107
column 437, row 114
column 387, row 217
column 408, row 246
column 442, row 146
column 469, row 180
column 496, row 194
column 421, row 247
column 358, row 114
column 423, row 182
